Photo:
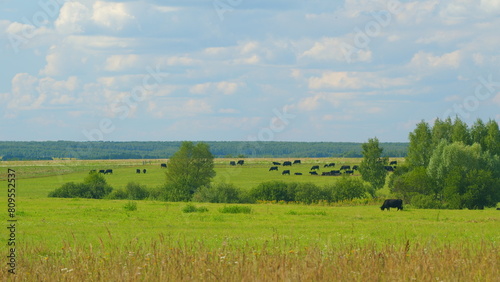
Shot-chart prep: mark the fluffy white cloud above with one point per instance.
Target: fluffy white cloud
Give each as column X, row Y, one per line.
column 353, row 80
column 224, row 87
column 25, row 95
column 121, row 62
column 112, row 15
column 336, row 49
column 72, row 18
column 428, row 60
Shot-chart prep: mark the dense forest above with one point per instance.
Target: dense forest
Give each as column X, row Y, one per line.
column 47, row 150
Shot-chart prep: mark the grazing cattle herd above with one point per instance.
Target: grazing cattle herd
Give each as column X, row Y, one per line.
column 344, row 169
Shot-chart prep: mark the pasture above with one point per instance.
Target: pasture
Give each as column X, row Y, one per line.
column 81, row 239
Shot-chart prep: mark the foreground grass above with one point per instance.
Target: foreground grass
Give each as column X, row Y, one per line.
column 162, row 259
column 101, row 240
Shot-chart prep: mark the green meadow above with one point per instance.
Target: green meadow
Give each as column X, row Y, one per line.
column 82, row 239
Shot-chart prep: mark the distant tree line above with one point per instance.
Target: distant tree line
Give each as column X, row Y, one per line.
column 47, row 150
column 451, row 165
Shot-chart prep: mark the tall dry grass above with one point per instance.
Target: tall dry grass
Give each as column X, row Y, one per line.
column 164, row 260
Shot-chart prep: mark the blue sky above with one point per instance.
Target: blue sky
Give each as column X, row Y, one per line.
column 284, row 70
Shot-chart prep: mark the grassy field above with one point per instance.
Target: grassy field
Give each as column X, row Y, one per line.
column 41, row 177
column 100, row 240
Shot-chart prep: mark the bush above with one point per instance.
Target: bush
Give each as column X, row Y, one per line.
column 309, row 193
column 70, row 190
column 235, row 209
column 130, row 206
column 136, row 191
column 157, row 193
column 97, row 186
column 176, row 193
column 94, row 186
column 218, row 193
column 118, row 194
column 426, row 202
column 347, row 188
column 274, row 191
column 192, row 208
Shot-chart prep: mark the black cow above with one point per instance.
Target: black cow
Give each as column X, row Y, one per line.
column 313, row 172
column 389, row 168
column 326, row 173
column 393, row 163
column 102, row 171
column 298, row 173
column 108, row 171
column 232, row 163
column 349, row 171
column 144, row 171
column 286, row 172
column 287, row 163
column 296, row 162
column 315, row 167
column 276, row 163
column 137, row 171
column 392, row 203
column 163, row 165
column 345, row 167
column 241, row 162
column 355, row 167
column 273, row 168
column 335, row 172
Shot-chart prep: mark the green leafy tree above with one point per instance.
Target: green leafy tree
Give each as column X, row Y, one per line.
column 492, row 138
column 460, row 132
column 478, row 133
column 191, row 167
column 420, row 147
column 413, row 183
column 467, row 176
column 372, row 167
column 442, row 129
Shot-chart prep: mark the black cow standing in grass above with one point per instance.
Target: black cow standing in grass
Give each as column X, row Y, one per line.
column 273, row 168
column 345, row 167
column 287, row 163
column 240, row 162
column 392, row 203
column 315, row 167
column 163, row 165
column 286, row 172
column 137, row 171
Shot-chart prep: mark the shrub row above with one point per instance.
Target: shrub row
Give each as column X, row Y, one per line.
column 346, row 188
